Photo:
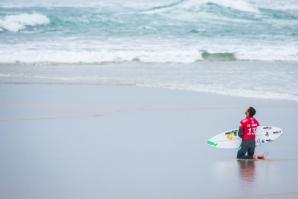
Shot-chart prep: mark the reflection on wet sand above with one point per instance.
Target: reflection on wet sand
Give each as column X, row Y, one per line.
column 246, row 171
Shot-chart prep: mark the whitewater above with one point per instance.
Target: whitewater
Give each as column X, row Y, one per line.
column 235, row 47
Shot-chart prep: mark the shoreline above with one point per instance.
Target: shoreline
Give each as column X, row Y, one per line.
column 261, row 80
column 48, row 81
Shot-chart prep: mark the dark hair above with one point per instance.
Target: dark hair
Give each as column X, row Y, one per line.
column 251, row 111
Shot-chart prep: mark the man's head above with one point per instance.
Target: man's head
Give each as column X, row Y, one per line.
column 250, row 112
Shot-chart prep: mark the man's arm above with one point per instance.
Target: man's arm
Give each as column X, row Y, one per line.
column 240, row 132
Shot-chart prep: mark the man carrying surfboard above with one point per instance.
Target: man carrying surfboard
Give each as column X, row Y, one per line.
column 246, row 131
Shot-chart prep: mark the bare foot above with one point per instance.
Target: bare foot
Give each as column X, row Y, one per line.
column 255, row 157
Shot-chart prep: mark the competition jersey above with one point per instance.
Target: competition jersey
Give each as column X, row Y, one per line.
column 249, row 126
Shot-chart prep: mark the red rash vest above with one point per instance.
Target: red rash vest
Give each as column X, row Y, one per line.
column 249, row 126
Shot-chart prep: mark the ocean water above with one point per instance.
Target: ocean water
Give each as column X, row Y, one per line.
column 235, row 47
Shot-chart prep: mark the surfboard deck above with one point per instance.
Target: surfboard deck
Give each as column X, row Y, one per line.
column 231, row 140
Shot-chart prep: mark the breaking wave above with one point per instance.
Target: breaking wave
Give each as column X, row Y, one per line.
column 103, row 57
column 14, row 23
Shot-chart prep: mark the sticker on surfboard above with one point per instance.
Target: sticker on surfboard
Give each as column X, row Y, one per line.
column 231, row 140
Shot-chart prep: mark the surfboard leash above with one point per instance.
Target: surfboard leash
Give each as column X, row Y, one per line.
column 264, row 154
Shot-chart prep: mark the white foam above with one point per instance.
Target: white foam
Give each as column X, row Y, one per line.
column 275, row 5
column 112, row 4
column 193, row 10
column 170, row 55
column 146, row 28
column 237, row 5
column 195, row 6
column 14, row 23
column 101, row 56
column 272, row 53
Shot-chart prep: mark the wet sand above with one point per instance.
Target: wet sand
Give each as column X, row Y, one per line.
column 79, row 140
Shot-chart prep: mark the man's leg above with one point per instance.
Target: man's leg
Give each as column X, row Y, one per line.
column 246, row 146
column 242, row 151
column 251, row 151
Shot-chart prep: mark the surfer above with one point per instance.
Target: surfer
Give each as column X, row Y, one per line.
column 246, row 131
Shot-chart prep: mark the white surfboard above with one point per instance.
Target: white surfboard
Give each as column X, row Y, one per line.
column 231, row 140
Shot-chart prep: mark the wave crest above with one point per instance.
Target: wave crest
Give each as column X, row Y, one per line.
column 15, row 23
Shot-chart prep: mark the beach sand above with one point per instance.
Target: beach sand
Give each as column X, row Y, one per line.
column 63, row 139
